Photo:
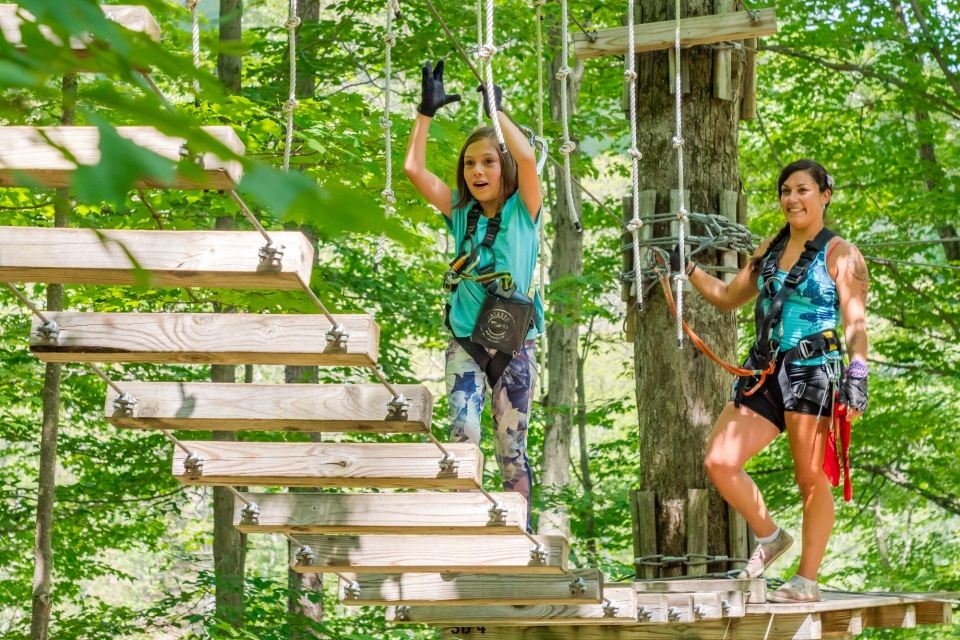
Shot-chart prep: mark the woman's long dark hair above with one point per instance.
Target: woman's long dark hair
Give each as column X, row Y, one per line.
column 823, row 179
column 509, row 175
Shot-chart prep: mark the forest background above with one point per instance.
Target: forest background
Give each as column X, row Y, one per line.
column 869, row 89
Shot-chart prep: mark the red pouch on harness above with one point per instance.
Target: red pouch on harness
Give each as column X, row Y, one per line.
column 833, row 456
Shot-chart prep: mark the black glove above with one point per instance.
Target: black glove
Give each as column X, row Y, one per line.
column 675, row 261
column 497, row 94
column 432, row 95
column 853, row 393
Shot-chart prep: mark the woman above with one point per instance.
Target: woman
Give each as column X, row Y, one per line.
column 797, row 342
column 494, row 215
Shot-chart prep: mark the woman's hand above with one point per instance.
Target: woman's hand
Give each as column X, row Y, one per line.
column 432, row 94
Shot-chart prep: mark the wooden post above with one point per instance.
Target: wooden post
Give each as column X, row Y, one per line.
column 684, row 72
column 737, row 542
column 698, row 503
column 748, row 106
column 643, row 514
column 675, row 224
column 628, row 290
column 742, row 218
column 722, row 60
column 728, row 209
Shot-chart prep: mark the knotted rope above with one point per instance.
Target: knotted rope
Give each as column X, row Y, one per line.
column 486, row 53
column 479, row 45
column 681, row 277
column 192, row 6
column 568, row 145
column 291, row 26
column 389, row 199
column 635, row 223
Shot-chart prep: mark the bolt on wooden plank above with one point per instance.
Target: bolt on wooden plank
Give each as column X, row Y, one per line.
column 206, row 338
column 30, row 156
column 415, row 554
column 317, row 408
column 208, row 259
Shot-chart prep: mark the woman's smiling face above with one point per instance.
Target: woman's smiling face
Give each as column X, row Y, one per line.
column 481, row 170
column 802, row 201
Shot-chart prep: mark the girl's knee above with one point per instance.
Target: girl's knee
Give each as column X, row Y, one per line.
column 719, row 466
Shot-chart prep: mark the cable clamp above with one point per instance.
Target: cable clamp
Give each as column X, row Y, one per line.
column 250, row 514
column 449, row 463
column 539, row 553
column 645, row 612
column 271, row 255
column 398, row 408
column 292, row 23
column 630, row 75
column 124, row 404
column 352, row 590
column 305, row 556
column 187, row 154
column 725, row 605
column 192, row 464
column 699, row 611
column 403, row 613
column 390, row 40
column 754, row 15
column 487, row 51
column 338, row 336
column 636, row 153
column 673, row 612
column 48, row 331
column 577, row 586
column 290, row 105
column 498, row 513
column 568, row 147
column 610, row 608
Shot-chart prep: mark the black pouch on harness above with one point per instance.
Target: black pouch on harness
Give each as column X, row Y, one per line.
column 505, row 317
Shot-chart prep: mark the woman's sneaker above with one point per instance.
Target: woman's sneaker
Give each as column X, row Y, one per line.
column 797, row 589
column 765, row 555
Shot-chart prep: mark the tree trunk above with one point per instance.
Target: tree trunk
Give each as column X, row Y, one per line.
column 42, row 599
column 229, row 67
column 566, row 259
column 307, row 11
column 588, row 520
column 681, row 392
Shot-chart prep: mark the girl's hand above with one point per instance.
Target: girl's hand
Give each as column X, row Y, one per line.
column 432, row 94
column 498, row 96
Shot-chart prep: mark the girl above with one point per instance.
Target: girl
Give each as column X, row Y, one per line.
column 495, row 214
column 796, row 321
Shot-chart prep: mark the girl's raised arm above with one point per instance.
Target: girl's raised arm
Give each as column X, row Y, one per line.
column 432, row 97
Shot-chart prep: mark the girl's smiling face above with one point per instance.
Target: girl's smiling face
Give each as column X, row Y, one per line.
column 482, row 170
column 802, row 201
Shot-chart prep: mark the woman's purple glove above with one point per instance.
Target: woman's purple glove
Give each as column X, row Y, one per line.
column 432, row 95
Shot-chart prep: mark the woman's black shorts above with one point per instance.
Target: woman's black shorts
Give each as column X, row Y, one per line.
column 768, row 402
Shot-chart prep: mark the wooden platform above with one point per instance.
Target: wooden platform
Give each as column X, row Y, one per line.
column 27, row 159
column 331, row 465
column 653, row 36
column 464, row 514
column 207, row 338
column 621, row 609
column 459, row 589
column 360, row 408
column 417, row 554
column 209, row 259
column 133, row 17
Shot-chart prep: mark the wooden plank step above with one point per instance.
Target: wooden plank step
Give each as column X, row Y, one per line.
column 619, row 607
column 755, row 590
column 765, row 627
column 384, row 513
column 415, row 554
column 320, row 408
column 828, row 602
column 26, row 159
column 206, row 338
column 209, row 259
column 440, row 589
column 330, row 465
column 653, row 36
column 133, row 17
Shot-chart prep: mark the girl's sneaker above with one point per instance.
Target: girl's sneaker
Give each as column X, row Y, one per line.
column 764, row 556
column 797, row 589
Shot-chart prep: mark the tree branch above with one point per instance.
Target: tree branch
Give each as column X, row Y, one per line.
column 934, row 49
column 937, row 311
column 869, row 72
column 945, row 501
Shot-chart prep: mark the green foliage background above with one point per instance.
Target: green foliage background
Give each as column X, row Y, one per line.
column 842, row 83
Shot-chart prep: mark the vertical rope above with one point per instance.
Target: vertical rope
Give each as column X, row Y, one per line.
column 541, row 256
column 389, row 199
column 635, row 223
column 568, row 145
column 682, row 208
column 291, row 25
column 192, row 6
column 487, row 51
column 479, row 46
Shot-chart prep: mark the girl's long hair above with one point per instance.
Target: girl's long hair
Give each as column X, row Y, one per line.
column 509, row 177
column 823, row 179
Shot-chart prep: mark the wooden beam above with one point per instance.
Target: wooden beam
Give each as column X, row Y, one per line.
column 698, row 505
column 729, row 201
column 722, row 60
column 748, row 106
column 27, row 159
column 737, row 537
column 330, row 465
column 208, row 259
column 841, row 623
column 644, row 519
column 756, row 590
column 693, row 31
column 384, row 513
column 786, row 627
column 207, row 338
column 934, row 613
column 409, row 589
column 415, row 554
column 133, row 17
column 316, row 408
column 620, row 607
column 899, row 616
